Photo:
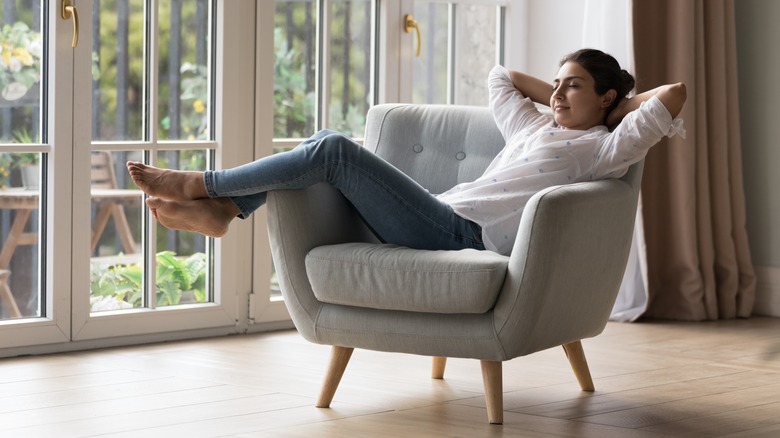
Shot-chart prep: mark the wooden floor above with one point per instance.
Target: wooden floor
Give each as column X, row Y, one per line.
column 652, row 379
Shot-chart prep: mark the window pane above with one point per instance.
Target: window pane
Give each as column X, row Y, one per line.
column 21, row 63
column 429, row 71
column 19, row 225
column 184, row 74
column 22, row 71
column 475, row 49
column 471, row 39
column 294, row 68
column 118, row 70
column 350, row 65
column 183, row 271
column 184, row 107
column 116, row 258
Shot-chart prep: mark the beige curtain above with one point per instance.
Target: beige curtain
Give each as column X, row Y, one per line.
column 693, row 202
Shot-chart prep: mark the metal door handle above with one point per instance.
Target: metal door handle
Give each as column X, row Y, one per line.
column 68, row 12
column 409, row 25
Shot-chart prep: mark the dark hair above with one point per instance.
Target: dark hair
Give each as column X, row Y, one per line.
column 606, row 72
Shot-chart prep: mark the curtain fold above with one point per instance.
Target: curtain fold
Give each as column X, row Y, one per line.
column 693, row 202
column 607, row 27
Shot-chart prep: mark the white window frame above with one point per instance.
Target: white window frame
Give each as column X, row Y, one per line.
column 229, row 252
column 70, row 325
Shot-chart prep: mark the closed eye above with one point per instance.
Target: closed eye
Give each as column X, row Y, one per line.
column 569, row 85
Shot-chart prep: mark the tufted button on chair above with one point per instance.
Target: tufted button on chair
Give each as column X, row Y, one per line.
column 344, row 289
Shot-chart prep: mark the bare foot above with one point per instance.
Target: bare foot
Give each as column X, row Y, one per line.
column 210, row 216
column 167, row 184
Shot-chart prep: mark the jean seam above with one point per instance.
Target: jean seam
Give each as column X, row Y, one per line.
column 250, row 191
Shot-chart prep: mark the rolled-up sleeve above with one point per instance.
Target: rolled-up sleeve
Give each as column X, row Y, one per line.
column 634, row 136
column 511, row 110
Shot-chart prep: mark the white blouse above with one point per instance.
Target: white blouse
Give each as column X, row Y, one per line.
column 538, row 155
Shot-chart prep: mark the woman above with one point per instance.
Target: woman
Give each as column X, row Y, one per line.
column 571, row 145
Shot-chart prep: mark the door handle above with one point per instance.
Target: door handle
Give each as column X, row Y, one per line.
column 69, row 12
column 409, row 25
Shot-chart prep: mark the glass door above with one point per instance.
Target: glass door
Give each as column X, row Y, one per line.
column 36, row 142
column 155, row 89
column 87, row 85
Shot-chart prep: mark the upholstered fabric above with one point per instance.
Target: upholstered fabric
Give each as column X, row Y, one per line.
column 561, row 279
column 439, row 146
column 396, row 278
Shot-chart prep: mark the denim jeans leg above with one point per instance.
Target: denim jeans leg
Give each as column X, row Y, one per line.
column 397, row 208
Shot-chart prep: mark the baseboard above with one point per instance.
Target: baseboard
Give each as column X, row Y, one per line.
column 767, row 291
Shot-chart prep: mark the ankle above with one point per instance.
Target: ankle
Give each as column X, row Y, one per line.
column 227, row 208
column 196, row 187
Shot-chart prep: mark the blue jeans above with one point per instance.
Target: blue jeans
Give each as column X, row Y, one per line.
column 395, row 207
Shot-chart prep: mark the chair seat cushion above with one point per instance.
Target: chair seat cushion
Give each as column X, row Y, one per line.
column 382, row 276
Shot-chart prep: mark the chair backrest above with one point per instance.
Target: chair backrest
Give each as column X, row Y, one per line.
column 439, row 146
column 103, row 176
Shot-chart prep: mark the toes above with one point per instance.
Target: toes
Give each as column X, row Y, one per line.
column 154, row 203
column 134, row 167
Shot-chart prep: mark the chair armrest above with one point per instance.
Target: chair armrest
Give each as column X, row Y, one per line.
column 298, row 221
column 567, row 264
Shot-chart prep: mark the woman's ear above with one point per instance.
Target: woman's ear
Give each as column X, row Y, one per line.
column 608, row 98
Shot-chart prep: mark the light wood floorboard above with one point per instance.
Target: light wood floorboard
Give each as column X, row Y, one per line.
column 652, row 379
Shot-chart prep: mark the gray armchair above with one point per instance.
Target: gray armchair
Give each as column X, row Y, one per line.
column 344, row 289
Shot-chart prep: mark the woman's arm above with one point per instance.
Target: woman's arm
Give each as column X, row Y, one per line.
column 671, row 95
column 538, row 90
column 512, row 109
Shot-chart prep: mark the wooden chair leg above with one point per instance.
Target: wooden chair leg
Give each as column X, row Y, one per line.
column 579, row 365
column 439, row 363
column 339, row 358
column 7, row 297
column 98, row 225
column 492, row 377
column 15, row 237
column 123, row 228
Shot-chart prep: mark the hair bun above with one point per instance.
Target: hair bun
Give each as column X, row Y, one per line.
column 627, row 80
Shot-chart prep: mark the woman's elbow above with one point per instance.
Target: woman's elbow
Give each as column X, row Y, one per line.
column 673, row 97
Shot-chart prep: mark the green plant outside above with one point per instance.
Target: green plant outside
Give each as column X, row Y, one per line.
column 175, row 275
column 294, row 100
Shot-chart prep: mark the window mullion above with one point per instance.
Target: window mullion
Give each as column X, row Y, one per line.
column 152, row 132
column 323, row 64
column 451, row 52
column 152, row 71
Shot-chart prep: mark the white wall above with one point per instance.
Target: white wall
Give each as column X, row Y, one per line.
column 541, row 32
column 536, row 45
column 758, row 39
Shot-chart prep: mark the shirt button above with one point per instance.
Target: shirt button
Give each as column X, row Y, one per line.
column 418, row 148
column 460, row 156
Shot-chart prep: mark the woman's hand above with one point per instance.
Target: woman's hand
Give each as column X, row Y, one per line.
column 538, row 90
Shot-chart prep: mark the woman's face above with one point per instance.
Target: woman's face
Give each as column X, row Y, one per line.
column 574, row 102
